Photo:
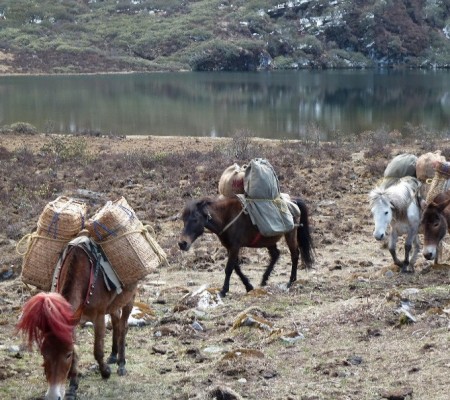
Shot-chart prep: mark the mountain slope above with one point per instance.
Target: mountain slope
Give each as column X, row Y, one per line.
column 143, row 35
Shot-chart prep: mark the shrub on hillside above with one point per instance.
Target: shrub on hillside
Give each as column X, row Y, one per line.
column 219, row 55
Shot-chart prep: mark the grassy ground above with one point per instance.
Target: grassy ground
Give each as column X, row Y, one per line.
column 338, row 333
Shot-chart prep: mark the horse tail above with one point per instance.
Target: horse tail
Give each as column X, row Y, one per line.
column 304, row 239
column 47, row 314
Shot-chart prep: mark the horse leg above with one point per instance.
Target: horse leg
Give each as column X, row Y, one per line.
column 405, row 265
column 392, row 248
column 115, row 318
column 409, row 242
column 295, row 256
column 123, row 329
column 274, row 255
column 233, row 263
column 74, row 379
column 99, row 342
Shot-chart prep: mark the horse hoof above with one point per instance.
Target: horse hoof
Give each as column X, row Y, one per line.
column 222, row 294
column 121, row 371
column 71, row 394
column 106, row 372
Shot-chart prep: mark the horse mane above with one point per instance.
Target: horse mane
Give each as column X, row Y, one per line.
column 44, row 315
column 399, row 195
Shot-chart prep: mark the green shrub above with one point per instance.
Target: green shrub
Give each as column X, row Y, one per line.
column 23, row 128
column 219, row 55
column 66, row 148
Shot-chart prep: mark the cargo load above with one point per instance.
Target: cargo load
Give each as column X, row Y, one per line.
column 232, row 180
column 128, row 245
column 269, row 210
column 60, row 222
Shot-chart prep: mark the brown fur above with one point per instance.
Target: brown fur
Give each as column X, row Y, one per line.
column 216, row 215
column 60, row 359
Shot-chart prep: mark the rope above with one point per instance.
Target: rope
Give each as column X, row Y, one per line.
column 30, row 237
column 231, row 222
column 55, row 218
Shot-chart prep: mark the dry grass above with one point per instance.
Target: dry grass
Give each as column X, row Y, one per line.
column 336, row 334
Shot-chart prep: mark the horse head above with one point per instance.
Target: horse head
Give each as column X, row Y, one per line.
column 195, row 217
column 382, row 211
column 47, row 320
column 435, row 227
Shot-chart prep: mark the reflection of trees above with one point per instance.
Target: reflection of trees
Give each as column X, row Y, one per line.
column 268, row 104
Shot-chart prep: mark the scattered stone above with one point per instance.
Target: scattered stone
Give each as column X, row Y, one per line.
column 213, row 349
column 269, row 374
column 223, row 393
column 355, row 360
column 410, row 293
column 159, row 349
column 243, row 353
column 6, row 273
column 397, row 394
column 197, row 326
column 292, row 337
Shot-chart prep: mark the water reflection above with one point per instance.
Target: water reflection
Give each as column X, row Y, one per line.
column 272, row 105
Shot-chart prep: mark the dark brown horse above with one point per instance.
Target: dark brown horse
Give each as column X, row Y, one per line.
column 435, row 223
column 224, row 217
column 50, row 319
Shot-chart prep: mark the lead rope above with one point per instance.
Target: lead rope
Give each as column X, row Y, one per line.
column 209, row 218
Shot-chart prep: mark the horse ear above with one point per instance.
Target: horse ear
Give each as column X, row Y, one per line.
column 202, row 204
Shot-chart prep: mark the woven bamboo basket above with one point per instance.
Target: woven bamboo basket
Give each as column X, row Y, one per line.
column 439, row 182
column 61, row 221
column 40, row 261
column 62, row 218
column 125, row 241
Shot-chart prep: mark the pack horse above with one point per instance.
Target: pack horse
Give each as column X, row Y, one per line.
column 398, row 207
column 50, row 319
column 234, row 228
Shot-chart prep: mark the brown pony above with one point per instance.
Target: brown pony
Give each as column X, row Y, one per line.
column 234, row 228
column 49, row 320
column 435, row 222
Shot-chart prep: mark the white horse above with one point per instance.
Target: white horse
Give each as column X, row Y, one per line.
column 398, row 207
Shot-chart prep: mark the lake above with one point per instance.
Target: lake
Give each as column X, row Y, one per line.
column 282, row 105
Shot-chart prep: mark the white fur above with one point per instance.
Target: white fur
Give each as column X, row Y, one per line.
column 397, row 209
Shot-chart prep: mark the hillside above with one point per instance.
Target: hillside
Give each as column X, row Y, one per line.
column 68, row 36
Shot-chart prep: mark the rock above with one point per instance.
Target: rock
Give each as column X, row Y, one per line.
column 397, row 394
column 223, row 393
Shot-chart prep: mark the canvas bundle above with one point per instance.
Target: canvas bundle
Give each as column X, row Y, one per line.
column 268, row 210
column 439, row 183
column 60, row 222
column 401, row 165
column 130, row 249
column 232, row 181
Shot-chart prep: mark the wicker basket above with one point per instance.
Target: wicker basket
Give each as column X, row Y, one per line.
column 61, row 221
column 125, row 241
column 62, row 218
column 439, row 182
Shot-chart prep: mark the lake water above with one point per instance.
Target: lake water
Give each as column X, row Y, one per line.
column 266, row 104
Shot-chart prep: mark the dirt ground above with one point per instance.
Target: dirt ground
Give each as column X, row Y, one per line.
column 353, row 327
